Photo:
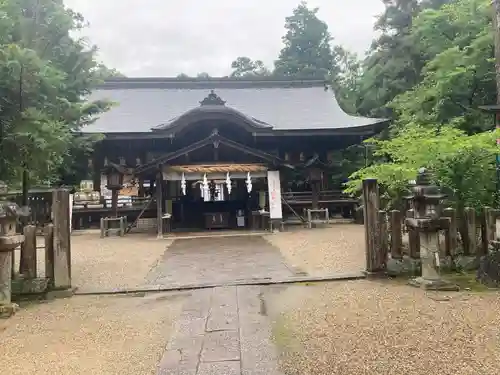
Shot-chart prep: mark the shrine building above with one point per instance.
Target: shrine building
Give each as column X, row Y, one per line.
column 191, row 154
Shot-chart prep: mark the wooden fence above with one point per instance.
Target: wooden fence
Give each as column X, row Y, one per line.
column 468, row 234
column 56, row 272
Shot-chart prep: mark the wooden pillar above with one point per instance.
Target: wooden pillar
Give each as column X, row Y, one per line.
column 451, row 234
column 413, row 238
column 62, row 240
column 27, row 266
column 159, row 203
column 49, row 252
column 488, row 229
column 396, row 234
column 114, row 202
column 384, row 239
column 371, row 198
column 470, row 243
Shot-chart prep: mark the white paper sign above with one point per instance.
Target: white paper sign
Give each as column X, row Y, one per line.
column 274, row 188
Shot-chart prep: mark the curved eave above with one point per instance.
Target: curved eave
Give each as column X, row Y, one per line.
column 213, row 112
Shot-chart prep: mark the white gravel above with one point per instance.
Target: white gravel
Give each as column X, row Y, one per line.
column 88, row 335
column 368, row 327
column 110, row 263
column 323, row 251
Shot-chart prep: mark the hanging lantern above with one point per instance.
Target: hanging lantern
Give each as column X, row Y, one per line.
column 183, row 184
column 228, row 183
column 249, row 183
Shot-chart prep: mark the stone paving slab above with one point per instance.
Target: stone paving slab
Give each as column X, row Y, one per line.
column 218, row 260
column 221, row 331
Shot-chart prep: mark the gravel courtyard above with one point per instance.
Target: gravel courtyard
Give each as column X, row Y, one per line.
column 369, row 327
column 336, row 249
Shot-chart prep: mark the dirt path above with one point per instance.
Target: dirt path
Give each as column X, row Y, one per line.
column 89, row 335
column 365, row 327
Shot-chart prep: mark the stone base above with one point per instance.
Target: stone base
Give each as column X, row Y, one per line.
column 439, row 285
column 6, row 311
column 62, row 293
column 406, row 266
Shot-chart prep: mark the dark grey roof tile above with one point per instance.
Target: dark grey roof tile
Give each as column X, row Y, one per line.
column 143, row 104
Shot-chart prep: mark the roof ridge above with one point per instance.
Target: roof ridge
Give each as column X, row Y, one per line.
column 208, row 83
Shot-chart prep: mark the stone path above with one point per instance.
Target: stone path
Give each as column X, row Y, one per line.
column 221, row 331
column 218, row 260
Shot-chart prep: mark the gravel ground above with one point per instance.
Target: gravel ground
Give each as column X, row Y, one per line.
column 108, row 263
column 323, row 251
column 369, row 327
column 88, row 335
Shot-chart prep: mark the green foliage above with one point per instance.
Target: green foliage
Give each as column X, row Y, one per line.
column 246, row 67
column 464, row 165
column 307, row 52
column 45, row 76
column 460, row 76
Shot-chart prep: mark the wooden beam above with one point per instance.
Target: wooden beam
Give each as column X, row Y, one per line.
column 159, row 203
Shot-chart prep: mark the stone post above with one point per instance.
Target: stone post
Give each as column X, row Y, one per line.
column 9, row 240
column 427, row 223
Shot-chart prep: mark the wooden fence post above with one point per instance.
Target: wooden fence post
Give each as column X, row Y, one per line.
column 413, row 238
column 396, row 234
column 384, row 240
column 49, row 253
column 371, row 200
column 488, row 229
column 470, row 243
column 451, row 234
column 28, row 264
column 62, row 241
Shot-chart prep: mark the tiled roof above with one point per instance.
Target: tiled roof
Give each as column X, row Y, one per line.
column 146, row 103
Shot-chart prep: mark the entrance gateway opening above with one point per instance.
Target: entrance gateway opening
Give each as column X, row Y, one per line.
column 215, row 196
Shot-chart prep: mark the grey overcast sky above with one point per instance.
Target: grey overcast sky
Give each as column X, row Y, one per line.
column 167, row 37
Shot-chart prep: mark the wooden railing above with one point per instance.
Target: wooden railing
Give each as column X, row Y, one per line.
column 105, row 203
column 324, row 196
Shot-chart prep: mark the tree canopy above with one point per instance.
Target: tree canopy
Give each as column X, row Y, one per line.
column 46, row 76
column 437, row 123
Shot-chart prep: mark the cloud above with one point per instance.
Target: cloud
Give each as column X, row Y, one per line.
column 165, row 38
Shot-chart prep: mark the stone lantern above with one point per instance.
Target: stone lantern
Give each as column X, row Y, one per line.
column 114, row 182
column 427, row 222
column 9, row 240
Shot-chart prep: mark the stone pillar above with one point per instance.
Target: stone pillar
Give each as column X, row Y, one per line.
column 427, row 223
column 9, row 240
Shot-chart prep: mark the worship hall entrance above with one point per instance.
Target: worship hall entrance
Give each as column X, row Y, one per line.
column 215, row 196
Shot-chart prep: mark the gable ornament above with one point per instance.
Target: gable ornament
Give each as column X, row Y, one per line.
column 212, row 99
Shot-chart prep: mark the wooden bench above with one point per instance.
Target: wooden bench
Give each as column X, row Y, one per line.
column 311, row 221
column 106, row 229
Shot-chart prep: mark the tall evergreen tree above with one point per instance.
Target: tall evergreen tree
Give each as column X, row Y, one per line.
column 307, row 51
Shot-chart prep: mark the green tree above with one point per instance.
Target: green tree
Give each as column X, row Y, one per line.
column 45, row 76
column 346, row 81
column 461, row 74
column 307, row 51
column 464, row 165
column 245, row 67
column 395, row 59
column 103, row 72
